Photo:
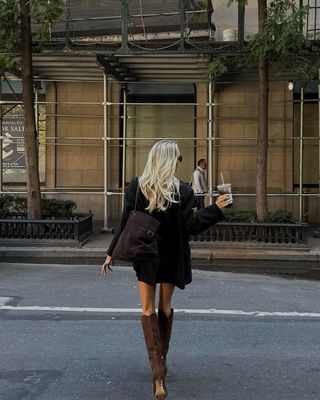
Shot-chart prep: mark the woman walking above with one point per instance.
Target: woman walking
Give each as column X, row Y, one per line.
column 158, row 192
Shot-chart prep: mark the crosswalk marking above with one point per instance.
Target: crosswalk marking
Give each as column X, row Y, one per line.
column 210, row 311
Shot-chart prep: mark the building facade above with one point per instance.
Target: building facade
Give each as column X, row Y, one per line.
column 100, row 111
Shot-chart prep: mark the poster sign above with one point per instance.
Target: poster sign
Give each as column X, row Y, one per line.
column 13, row 145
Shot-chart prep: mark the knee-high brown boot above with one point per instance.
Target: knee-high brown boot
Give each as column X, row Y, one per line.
column 165, row 328
column 153, row 343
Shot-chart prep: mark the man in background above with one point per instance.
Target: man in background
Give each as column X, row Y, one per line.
column 199, row 183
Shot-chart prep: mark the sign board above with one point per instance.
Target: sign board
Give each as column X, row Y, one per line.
column 13, row 145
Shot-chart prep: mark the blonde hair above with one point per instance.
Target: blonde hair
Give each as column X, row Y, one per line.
column 157, row 182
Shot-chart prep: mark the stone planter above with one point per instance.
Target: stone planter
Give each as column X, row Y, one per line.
column 285, row 234
column 17, row 228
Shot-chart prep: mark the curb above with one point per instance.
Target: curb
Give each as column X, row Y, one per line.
column 261, row 259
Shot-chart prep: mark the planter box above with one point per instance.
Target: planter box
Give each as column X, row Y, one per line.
column 289, row 233
column 76, row 229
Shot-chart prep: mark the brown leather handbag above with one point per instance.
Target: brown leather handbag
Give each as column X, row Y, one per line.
column 138, row 240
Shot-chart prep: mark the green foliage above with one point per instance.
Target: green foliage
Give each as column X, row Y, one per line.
column 277, row 216
column 12, row 204
column 50, row 208
column 227, row 63
column 9, row 21
column 5, row 201
column 241, row 216
column 56, row 208
column 217, row 68
column 43, row 12
column 281, row 43
column 8, row 63
column 282, row 33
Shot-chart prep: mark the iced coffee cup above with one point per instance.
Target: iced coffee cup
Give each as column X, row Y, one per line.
column 225, row 188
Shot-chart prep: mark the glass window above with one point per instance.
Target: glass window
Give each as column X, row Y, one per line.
column 310, row 130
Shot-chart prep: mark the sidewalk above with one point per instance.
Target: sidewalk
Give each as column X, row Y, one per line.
column 224, row 256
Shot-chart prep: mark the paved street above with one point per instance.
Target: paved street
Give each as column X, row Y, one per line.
column 67, row 333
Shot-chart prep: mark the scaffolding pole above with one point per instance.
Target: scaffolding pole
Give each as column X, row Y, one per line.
column 319, row 144
column 214, row 138
column 106, row 227
column 212, row 141
column 36, row 109
column 301, row 156
column 210, row 165
column 124, row 143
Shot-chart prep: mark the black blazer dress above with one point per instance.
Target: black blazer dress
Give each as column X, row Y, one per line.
column 176, row 223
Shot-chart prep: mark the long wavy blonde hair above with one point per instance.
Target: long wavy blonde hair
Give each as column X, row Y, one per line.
column 157, row 182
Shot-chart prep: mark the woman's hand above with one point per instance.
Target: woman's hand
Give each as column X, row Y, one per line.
column 106, row 265
column 222, row 201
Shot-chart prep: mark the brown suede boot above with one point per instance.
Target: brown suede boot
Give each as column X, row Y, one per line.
column 153, row 343
column 165, row 328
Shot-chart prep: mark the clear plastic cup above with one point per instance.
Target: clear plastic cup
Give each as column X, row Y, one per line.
column 225, row 188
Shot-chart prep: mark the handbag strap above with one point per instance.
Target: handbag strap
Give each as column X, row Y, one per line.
column 137, row 194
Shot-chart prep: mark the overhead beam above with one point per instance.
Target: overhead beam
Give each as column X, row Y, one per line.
column 111, row 70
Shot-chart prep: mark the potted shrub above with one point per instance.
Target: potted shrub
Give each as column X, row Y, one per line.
column 58, row 221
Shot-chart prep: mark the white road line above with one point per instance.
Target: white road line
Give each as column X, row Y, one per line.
column 210, row 311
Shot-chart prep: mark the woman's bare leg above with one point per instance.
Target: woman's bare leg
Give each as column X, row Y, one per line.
column 165, row 297
column 147, row 298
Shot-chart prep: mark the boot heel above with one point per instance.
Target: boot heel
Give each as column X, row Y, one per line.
column 160, row 392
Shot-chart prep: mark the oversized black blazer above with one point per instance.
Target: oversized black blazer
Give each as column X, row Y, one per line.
column 177, row 223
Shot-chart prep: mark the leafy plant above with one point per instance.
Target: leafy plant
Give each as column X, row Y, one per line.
column 217, row 68
column 281, row 43
column 45, row 15
column 276, row 216
column 56, row 208
column 16, row 58
column 241, row 216
column 6, row 202
column 50, row 208
column 12, row 204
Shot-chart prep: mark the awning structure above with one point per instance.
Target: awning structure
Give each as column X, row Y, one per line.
column 134, row 41
column 158, row 67
column 123, row 68
column 66, row 67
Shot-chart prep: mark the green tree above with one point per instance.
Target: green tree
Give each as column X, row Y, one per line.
column 279, row 45
column 17, row 41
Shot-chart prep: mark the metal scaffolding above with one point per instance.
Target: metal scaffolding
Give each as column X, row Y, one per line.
column 121, row 144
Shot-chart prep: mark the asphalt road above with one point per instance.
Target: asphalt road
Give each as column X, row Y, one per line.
column 67, row 333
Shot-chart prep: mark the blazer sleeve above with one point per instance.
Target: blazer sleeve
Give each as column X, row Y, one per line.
column 197, row 222
column 129, row 200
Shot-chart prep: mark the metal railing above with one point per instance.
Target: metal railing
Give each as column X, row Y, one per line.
column 17, row 226
column 283, row 234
